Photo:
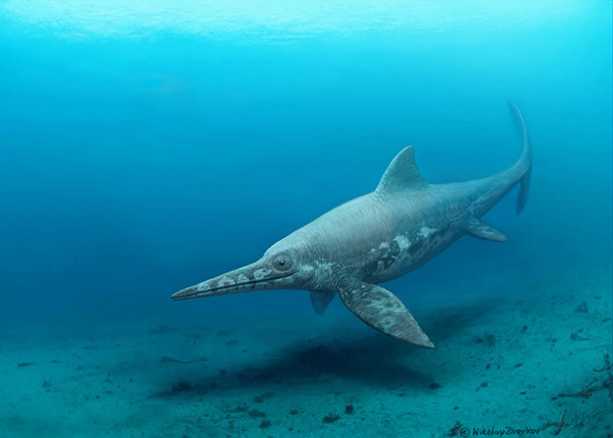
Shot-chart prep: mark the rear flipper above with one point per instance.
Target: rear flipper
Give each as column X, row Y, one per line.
column 383, row 311
column 480, row 229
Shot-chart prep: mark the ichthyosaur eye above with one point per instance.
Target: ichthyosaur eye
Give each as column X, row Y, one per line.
column 282, row 262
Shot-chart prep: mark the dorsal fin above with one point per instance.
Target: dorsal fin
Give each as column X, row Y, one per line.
column 401, row 174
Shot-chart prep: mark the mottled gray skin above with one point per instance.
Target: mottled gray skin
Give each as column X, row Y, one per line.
column 377, row 237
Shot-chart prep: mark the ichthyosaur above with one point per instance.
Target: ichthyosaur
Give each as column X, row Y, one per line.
column 376, row 237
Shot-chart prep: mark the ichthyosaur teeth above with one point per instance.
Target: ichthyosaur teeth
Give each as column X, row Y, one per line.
column 376, row 237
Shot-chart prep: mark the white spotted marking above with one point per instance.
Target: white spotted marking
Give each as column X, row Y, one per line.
column 204, row 286
column 324, row 272
column 402, row 241
column 242, row 278
column 226, row 281
column 261, row 273
column 384, row 245
column 425, row 232
column 326, row 266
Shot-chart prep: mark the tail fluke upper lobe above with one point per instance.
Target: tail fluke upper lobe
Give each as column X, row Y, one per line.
column 525, row 161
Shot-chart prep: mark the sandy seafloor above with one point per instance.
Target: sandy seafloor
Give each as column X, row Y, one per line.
column 536, row 360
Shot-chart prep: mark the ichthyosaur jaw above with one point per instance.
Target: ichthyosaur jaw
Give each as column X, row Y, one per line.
column 376, row 237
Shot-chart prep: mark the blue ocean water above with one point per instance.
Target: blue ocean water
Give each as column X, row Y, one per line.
column 151, row 145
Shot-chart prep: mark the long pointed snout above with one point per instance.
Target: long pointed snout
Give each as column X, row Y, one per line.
column 251, row 277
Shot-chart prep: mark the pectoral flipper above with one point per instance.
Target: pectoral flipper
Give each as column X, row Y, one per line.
column 320, row 300
column 383, row 311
